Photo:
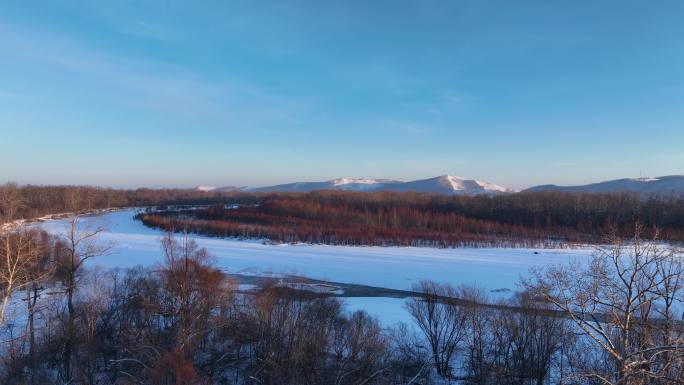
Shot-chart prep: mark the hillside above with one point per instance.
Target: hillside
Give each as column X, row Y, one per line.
column 444, row 184
column 664, row 185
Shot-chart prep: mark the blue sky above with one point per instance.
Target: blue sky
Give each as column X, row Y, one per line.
column 180, row 93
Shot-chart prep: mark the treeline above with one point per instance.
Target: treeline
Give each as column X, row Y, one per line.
column 349, row 218
column 408, row 219
column 183, row 322
column 29, row 201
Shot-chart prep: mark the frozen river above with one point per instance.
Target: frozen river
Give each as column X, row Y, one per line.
column 494, row 269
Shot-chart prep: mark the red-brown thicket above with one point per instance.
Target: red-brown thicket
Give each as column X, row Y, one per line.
column 408, row 219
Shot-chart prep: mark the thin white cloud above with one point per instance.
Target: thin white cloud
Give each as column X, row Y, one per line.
column 148, row 83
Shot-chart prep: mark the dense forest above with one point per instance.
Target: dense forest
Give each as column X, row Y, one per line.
column 351, row 218
column 29, row 201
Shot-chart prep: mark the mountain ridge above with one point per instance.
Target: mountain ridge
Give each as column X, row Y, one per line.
column 668, row 184
column 443, row 184
column 455, row 185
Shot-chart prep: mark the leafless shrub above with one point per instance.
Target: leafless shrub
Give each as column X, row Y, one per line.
column 627, row 303
column 442, row 321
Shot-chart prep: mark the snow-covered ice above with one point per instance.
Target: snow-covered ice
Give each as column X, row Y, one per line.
column 390, row 267
column 493, row 269
column 390, row 311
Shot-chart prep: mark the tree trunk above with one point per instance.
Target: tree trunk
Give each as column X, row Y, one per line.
column 68, row 342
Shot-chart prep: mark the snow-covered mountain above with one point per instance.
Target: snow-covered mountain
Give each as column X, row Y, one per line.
column 219, row 189
column 350, row 184
column 453, row 185
column 445, row 184
column 448, row 184
column 664, row 185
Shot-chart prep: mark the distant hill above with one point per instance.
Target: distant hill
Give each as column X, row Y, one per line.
column 664, row 185
column 445, row 184
column 219, row 189
column 454, row 185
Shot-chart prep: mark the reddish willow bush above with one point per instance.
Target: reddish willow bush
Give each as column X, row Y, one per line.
column 407, row 219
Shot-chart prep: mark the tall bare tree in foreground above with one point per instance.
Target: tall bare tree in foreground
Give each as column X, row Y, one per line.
column 20, row 251
column 78, row 244
column 627, row 302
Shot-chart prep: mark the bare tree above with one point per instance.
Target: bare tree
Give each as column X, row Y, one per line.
column 441, row 320
column 79, row 243
column 479, row 360
column 624, row 301
column 359, row 348
column 526, row 341
column 11, row 202
column 19, row 253
column 194, row 288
